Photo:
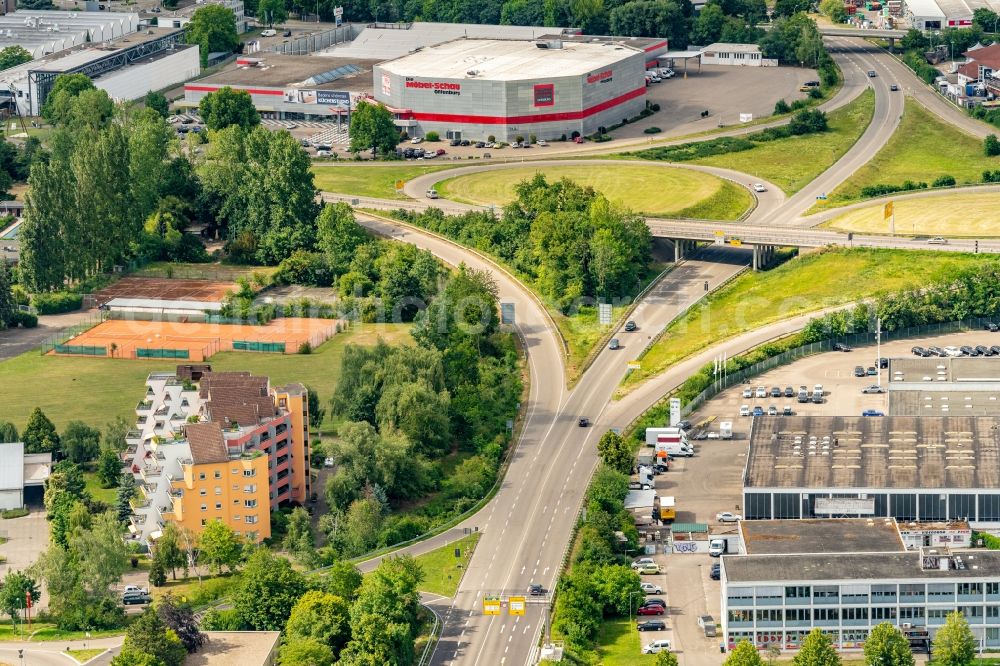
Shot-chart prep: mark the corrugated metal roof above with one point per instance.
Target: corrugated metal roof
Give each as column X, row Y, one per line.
column 12, row 466
column 689, row 527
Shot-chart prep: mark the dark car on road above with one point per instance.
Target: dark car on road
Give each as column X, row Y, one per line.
column 655, row 601
column 991, row 327
column 758, row 411
column 859, row 371
column 967, row 350
column 872, row 370
column 630, row 326
column 775, row 391
column 536, row 590
column 584, row 422
column 789, row 392
column 982, row 351
column 841, row 347
column 652, row 625
column 716, row 571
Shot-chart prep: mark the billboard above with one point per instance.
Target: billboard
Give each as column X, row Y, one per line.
column 336, row 98
column 545, row 94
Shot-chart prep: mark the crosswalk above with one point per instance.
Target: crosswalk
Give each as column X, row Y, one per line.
column 330, row 137
column 316, row 124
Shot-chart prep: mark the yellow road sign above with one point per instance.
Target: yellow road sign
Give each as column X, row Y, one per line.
column 634, row 365
column 735, row 241
column 515, row 605
column 888, row 210
column 720, row 233
column 491, row 605
column 400, row 184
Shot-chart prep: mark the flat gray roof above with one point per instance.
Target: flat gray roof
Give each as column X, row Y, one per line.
column 789, row 537
column 934, row 386
column 888, row 452
column 726, row 47
column 507, row 60
column 854, row 566
column 12, row 466
column 958, row 369
column 280, row 71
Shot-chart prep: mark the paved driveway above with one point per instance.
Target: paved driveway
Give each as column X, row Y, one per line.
column 27, row 538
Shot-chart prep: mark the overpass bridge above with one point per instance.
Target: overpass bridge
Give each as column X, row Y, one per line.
column 879, row 33
column 763, row 239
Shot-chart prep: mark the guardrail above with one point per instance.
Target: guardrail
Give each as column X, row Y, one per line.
column 432, row 641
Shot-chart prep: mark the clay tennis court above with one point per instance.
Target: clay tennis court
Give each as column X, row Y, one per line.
column 167, row 289
column 197, row 342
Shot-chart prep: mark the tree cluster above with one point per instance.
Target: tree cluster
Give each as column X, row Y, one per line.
column 570, row 242
column 15, row 163
column 406, row 408
column 163, row 635
column 795, row 39
column 12, row 56
column 225, row 107
column 213, row 29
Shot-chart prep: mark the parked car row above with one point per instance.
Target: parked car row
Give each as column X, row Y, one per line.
column 964, row 350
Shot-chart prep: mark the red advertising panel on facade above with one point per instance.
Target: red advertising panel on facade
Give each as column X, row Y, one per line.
column 545, row 94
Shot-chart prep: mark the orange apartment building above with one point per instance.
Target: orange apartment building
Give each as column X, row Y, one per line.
column 217, row 446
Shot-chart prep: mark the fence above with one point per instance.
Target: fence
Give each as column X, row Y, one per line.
column 80, row 350
column 67, row 334
column 312, row 43
column 143, row 352
column 253, row 346
column 739, row 376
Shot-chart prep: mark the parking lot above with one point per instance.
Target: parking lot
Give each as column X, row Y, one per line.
column 711, row 481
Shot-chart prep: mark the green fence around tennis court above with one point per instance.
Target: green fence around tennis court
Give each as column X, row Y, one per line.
column 81, row 350
column 141, row 352
column 250, row 345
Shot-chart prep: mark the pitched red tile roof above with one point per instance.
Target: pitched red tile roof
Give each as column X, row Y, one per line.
column 206, row 442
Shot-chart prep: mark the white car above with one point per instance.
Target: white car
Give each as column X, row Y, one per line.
column 952, row 351
column 649, row 588
column 643, row 561
column 667, row 73
column 657, row 646
column 728, row 517
column 322, row 153
column 135, row 588
column 432, row 193
column 748, row 392
column 290, row 126
column 268, row 33
column 543, row 142
column 761, row 392
column 937, row 240
column 759, row 187
column 415, row 140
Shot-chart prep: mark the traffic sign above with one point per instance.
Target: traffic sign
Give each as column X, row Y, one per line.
column 515, row 606
column 604, row 313
column 887, row 210
column 338, row 11
column 507, row 313
column 400, row 184
column 634, row 365
column 735, row 242
column 491, row 605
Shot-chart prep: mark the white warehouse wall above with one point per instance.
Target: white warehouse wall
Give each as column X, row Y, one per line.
column 135, row 81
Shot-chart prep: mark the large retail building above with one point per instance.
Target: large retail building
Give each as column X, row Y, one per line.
column 476, row 88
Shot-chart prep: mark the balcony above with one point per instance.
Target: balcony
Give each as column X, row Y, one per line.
column 137, row 504
column 148, row 489
column 144, row 407
column 162, row 411
column 151, row 472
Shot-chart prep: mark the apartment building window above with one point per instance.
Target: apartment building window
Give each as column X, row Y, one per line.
column 218, row 506
column 236, row 486
column 992, row 588
column 769, row 615
column 741, row 616
column 826, row 614
column 264, row 436
column 971, row 589
column 911, row 591
column 251, row 536
column 204, row 522
column 855, row 613
column 201, row 476
column 883, row 593
column 250, row 504
column 854, row 594
column 940, row 591
column 236, row 470
column 740, row 595
column 218, row 490
column 202, row 492
column 797, row 615
column 884, row 613
column 218, row 474
column 993, row 611
column 972, row 612
column 826, row 593
column 798, row 592
column 938, row 613
column 911, row 613
column 249, row 472
column 251, row 520
column 250, row 489
column 204, row 507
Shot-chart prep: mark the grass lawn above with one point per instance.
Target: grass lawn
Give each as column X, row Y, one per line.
column 442, row 570
column 84, row 656
column 106, row 495
column 44, row 631
column 97, row 390
column 211, row 271
column 807, row 283
column 373, row 180
column 971, row 214
column 581, row 332
column 794, row 162
column 653, row 190
column 209, row 590
column 620, row 644
column 923, row 148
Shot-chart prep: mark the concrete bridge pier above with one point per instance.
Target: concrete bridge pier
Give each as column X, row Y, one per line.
column 683, row 248
column 763, row 255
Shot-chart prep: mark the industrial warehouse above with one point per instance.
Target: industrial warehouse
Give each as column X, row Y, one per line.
column 550, row 88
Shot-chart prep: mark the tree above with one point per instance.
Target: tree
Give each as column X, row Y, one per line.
column 56, row 108
column 887, row 646
column 707, row 27
column 985, row 18
column 991, row 145
column 109, row 468
column 13, row 594
column 12, row 56
column 157, row 102
column 213, row 29
column 269, row 588
column 8, row 432
column 134, row 657
column 342, row 579
column 615, row 452
column 8, row 308
column 150, row 635
column 616, row 586
column 169, row 550
column 305, row 652
column 372, row 128
column 323, row 617
column 40, row 434
column 181, row 621
column 272, row 11
column 954, row 644
column 125, row 494
column 817, row 650
column 80, row 442
column 317, row 412
column 102, row 554
column 225, row 107
column 157, row 576
column 339, row 236
column 666, row 659
column 650, row 18
column 834, row 9
column 384, row 618
column 299, row 539
column 744, row 654
column 790, row 7
column 220, row 546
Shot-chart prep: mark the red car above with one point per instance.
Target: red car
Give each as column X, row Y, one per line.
column 652, row 609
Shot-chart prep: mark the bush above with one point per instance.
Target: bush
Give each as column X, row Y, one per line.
column 433, row 136
column 991, row 176
column 991, row 145
column 815, row 93
column 24, row 319
column 306, row 348
column 883, row 189
column 915, row 61
column 532, row 139
column 14, row 513
column 519, row 138
column 781, row 107
column 944, row 181
column 811, row 121
column 56, row 302
column 652, row 130
column 491, row 138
